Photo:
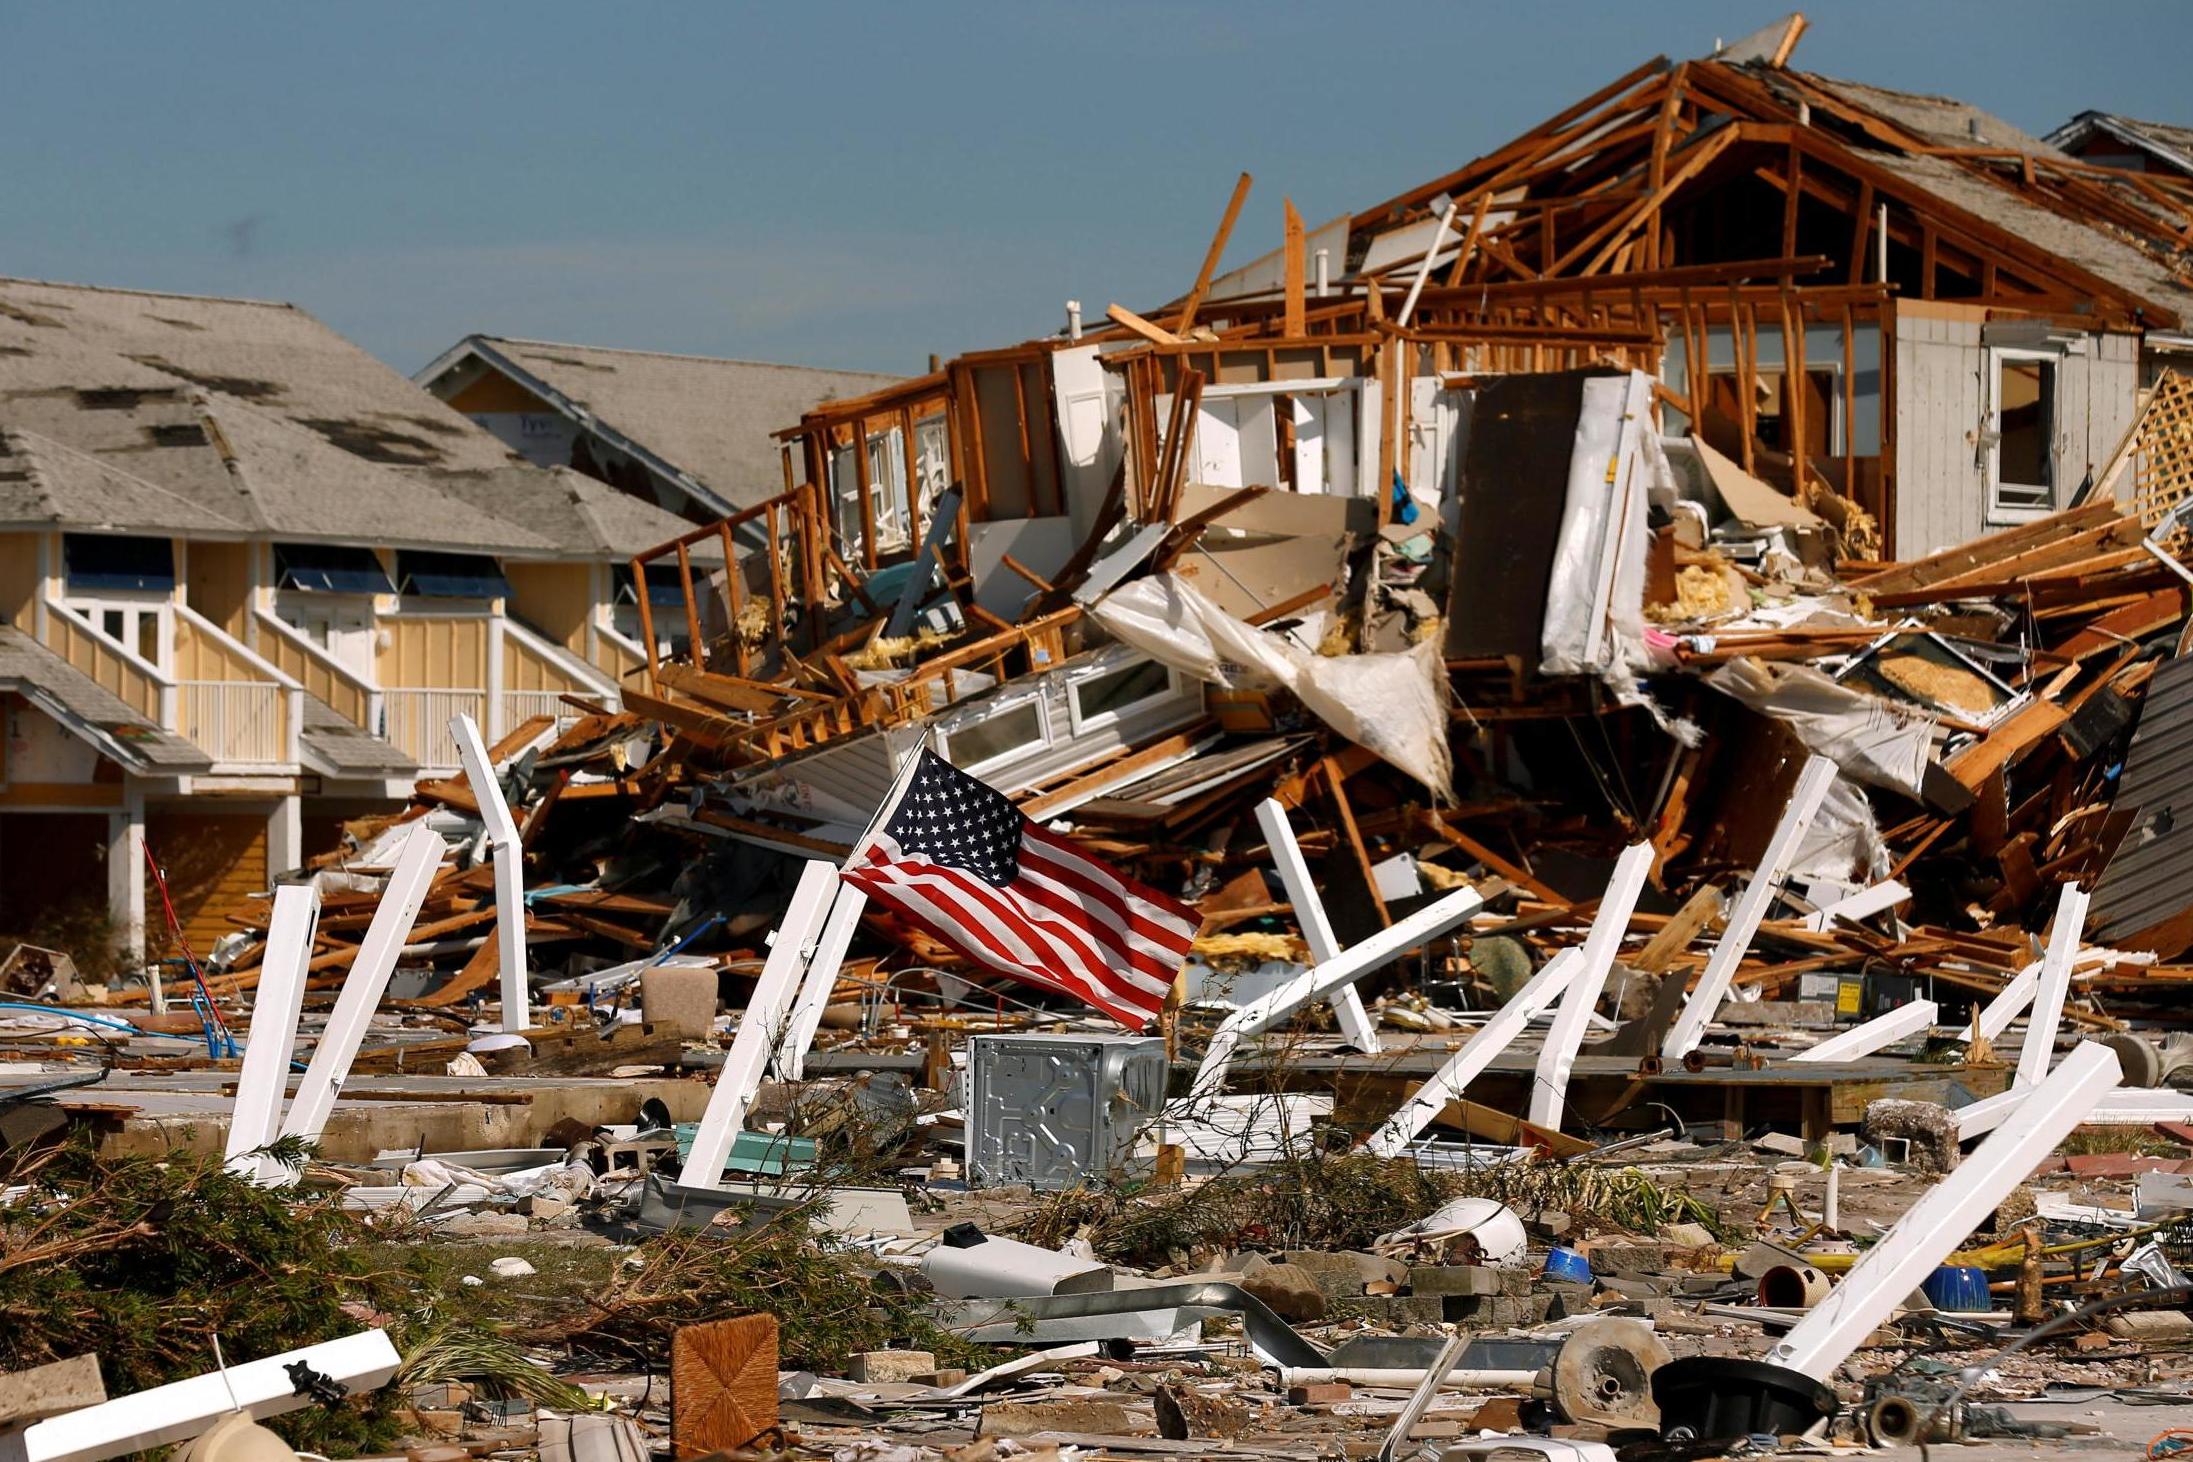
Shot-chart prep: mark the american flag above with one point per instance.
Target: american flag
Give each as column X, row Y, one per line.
column 958, row 859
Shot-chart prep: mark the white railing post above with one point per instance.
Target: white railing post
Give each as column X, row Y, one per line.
column 509, row 855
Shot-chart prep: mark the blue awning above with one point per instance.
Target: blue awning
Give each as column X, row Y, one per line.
column 330, row 568
column 96, row 561
column 449, row 575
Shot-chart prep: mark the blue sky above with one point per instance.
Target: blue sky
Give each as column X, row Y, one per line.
column 846, row 185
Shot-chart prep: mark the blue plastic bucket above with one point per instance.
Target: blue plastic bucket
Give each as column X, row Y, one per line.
column 1958, row 1287
column 1567, row 1266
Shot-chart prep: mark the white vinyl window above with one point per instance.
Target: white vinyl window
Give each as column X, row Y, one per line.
column 994, row 738
column 1114, row 695
column 2021, row 434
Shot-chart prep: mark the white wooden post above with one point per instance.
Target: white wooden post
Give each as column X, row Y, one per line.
column 1453, row 1079
column 418, row 859
column 1751, row 906
column 1557, row 1058
column 263, row 1082
column 509, row 856
column 1935, row 1225
column 790, row 1058
column 1882, row 1030
column 760, row 1028
column 1319, row 981
column 180, row 1410
column 2048, row 996
column 1317, row 930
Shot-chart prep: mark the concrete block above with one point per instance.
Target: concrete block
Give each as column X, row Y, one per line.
column 882, row 1367
column 1322, row 1393
column 50, row 1390
column 1457, row 1279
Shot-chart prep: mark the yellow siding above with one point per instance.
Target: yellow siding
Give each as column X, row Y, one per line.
column 554, row 598
column 523, row 669
column 219, row 583
column 494, row 391
column 213, row 862
column 436, row 652
column 75, row 643
column 318, row 676
column 19, row 586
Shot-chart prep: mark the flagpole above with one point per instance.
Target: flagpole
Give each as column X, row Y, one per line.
column 891, row 799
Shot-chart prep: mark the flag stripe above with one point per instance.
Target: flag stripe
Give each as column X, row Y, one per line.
column 912, row 895
column 958, row 860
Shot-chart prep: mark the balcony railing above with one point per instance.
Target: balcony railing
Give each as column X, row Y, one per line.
column 234, row 720
column 415, row 720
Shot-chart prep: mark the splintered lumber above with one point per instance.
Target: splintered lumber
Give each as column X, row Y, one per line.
column 1980, row 553
column 1217, row 251
column 2009, row 740
column 1156, row 334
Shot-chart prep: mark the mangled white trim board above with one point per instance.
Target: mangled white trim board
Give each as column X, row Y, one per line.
column 181, row 1410
column 1882, row 1030
column 509, row 857
column 1557, row 1058
column 418, row 859
column 1354, row 963
column 1945, row 1215
column 263, row 1081
column 1317, row 929
column 761, row 1027
column 1495, row 1036
column 1813, row 784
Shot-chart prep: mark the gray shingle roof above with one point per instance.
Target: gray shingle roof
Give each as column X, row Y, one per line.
column 1943, row 121
column 32, row 670
column 707, row 417
column 2091, row 248
column 233, row 417
column 335, row 748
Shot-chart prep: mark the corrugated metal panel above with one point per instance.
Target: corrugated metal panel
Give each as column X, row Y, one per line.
column 2150, row 879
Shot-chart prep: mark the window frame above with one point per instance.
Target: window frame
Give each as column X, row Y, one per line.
column 1998, row 512
column 1040, row 742
column 1082, row 722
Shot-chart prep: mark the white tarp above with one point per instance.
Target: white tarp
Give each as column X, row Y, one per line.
column 1595, row 604
column 1391, row 704
column 1878, row 741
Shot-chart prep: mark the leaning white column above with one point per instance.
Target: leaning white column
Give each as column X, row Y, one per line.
column 760, row 1027
column 509, row 856
column 1945, row 1214
column 263, row 1081
column 790, row 1058
column 1751, row 906
column 1467, row 1064
column 1557, row 1057
column 1882, row 1030
column 2048, row 996
column 418, row 858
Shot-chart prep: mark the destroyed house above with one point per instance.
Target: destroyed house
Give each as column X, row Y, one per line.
column 687, row 432
column 250, row 574
column 1936, row 319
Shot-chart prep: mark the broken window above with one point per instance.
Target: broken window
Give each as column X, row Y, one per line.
column 995, row 737
column 1116, row 694
column 2022, row 460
